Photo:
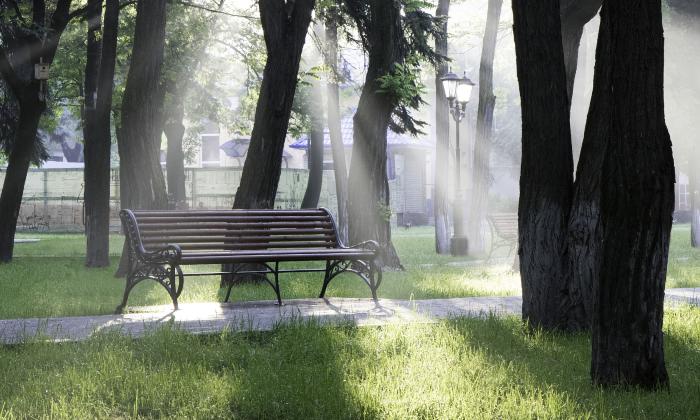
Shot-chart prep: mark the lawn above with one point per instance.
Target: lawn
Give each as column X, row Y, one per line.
column 458, row 368
column 48, row 278
column 461, row 368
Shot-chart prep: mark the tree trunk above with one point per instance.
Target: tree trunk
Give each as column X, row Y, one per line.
column 285, row 26
column 442, row 143
column 16, row 174
column 315, row 149
column 99, row 75
column 637, row 198
column 17, row 58
column 340, row 170
column 368, row 199
column 484, row 128
column 694, row 189
column 174, row 130
column 142, row 184
column 545, row 190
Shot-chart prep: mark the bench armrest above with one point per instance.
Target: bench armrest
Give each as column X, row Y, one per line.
column 171, row 254
column 370, row 245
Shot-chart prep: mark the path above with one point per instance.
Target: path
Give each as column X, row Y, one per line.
column 265, row 315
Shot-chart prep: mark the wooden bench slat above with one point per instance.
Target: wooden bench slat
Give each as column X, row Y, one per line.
column 233, row 226
column 233, row 219
column 236, row 239
column 256, row 213
column 240, row 232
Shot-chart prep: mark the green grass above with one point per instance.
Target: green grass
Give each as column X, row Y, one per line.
column 48, row 278
column 459, row 368
column 462, row 368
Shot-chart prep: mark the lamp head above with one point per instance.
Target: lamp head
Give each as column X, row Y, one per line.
column 464, row 89
column 449, row 85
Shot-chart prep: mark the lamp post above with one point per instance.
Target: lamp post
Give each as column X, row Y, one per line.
column 458, row 90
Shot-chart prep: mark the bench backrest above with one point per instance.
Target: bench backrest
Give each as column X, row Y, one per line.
column 225, row 230
column 505, row 224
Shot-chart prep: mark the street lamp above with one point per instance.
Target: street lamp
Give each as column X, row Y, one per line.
column 458, row 91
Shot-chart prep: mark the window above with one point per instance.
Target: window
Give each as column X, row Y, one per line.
column 210, row 150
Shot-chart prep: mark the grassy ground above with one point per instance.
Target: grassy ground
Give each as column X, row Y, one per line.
column 463, row 368
column 48, row 278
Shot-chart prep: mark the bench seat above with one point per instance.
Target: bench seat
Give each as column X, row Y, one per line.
column 276, row 255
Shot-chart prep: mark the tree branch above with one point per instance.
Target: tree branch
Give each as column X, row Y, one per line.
column 209, row 9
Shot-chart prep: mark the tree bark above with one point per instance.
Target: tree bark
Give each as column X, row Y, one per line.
column 545, row 189
column 142, row 184
column 285, row 25
column 99, row 76
column 17, row 59
column 340, row 170
column 315, row 149
column 484, row 128
column 637, row 198
column 16, row 174
column 174, row 130
column 142, row 181
column 694, row 189
column 442, row 142
column 368, row 186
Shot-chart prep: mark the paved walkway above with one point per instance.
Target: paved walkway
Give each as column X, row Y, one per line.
column 265, row 315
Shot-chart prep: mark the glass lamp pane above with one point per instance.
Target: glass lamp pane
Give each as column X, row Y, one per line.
column 464, row 92
column 450, row 87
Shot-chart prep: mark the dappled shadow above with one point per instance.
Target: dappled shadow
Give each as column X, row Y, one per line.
column 560, row 363
column 295, row 371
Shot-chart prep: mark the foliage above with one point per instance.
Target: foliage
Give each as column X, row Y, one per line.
column 403, row 83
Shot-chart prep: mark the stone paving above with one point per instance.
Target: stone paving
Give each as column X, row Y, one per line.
column 202, row 318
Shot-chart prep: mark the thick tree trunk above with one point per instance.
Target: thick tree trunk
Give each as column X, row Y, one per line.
column 174, row 130
column 484, row 128
column 142, row 184
column 315, row 149
column 16, row 174
column 637, row 198
column 368, row 187
column 340, row 170
column 142, row 181
column 442, row 143
column 285, row 26
column 545, row 190
column 99, row 75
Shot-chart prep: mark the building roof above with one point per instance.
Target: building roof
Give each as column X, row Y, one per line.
column 346, row 126
column 238, row 148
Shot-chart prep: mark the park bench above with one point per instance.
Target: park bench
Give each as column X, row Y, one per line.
column 504, row 232
column 254, row 241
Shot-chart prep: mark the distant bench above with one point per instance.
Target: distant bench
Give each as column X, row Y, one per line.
column 161, row 242
column 504, row 232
